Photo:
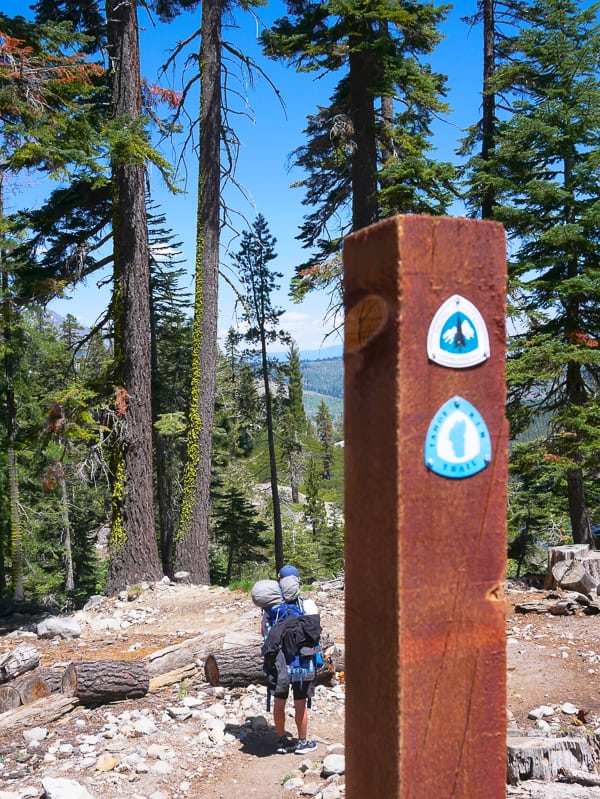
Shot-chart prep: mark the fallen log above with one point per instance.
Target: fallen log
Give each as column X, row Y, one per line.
column 244, row 666
column 172, row 677
column 96, row 682
column 19, row 660
column 195, row 650
column 37, row 714
column 31, row 687
column 579, row 778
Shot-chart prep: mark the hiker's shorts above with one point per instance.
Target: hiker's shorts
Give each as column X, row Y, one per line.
column 300, row 691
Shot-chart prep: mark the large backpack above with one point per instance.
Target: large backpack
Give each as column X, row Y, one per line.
column 303, row 665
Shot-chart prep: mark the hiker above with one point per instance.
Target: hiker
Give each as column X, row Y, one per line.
column 291, row 627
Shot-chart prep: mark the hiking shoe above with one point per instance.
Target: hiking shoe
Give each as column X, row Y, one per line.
column 305, row 747
column 285, row 746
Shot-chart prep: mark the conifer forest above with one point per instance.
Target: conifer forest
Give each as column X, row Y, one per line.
column 146, row 444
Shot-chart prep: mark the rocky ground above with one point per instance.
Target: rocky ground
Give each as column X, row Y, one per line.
column 191, row 740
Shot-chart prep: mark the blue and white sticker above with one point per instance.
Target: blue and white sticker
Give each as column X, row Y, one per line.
column 458, row 442
column 458, row 335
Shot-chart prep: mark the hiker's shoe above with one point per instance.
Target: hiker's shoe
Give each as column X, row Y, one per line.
column 285, row 746
column 305, row 747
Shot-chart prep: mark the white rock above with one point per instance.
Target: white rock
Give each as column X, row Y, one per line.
column 145, row 726
column 66, row 627
column 540, row 712
column 35, row 734
column 219, row 711
column 293, row 783
column 61, row 788
column 334, row 764
column 569, row 708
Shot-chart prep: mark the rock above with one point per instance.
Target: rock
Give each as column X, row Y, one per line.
column 569, row 708
column 293, row 783
column 334, row 764
column 60, row 788
column 66, row 627
column 182, row 577
column 35, row 734
column 540, row 712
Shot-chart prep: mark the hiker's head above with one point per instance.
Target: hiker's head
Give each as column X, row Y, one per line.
column 289, row 571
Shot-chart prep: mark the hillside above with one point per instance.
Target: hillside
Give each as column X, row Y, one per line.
column 324, row 380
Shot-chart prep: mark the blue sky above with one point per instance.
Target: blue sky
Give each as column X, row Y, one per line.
column 269, row 134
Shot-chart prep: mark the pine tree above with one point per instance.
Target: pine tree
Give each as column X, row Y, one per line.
column 545, row 174
column 378, row 49
column 325, row 436
column 239, row 530
column 256, row 252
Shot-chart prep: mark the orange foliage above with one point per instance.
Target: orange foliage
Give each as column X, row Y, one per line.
column 168, row 96
column 579, row 337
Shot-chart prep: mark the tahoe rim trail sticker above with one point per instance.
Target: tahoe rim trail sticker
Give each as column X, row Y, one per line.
column 457, row 335
column 458, row 442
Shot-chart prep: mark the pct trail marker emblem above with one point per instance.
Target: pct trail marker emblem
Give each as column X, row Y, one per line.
column 458, row 335
column 458, row 442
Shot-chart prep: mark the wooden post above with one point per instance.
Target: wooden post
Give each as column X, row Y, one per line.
column 425, row 552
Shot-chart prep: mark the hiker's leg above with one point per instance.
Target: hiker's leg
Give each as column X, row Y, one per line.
column 279, row 715
column 301, row 717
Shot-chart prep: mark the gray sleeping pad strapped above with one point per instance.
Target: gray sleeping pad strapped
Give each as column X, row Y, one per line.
column 266, row 593
column 290, row 588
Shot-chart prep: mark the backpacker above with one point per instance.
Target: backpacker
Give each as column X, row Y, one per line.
column 302, row 666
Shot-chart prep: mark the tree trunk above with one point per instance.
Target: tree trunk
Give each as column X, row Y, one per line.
column 244, row 666
column 277, row 524
column 65, row 537
column 132, row 547
column 191, row 553
column 488, row 132
column 14, row 527
column 21, row 659
column 96, row 682
column 362, row 113
column 580, row 520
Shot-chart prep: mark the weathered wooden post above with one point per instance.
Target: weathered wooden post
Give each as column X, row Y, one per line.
column 425, row 509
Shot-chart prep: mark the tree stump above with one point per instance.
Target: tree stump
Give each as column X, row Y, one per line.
column 540, row 758
column 21, row 659
column 244, row 666
column 96, row 682
column 572, row 575
column 563, row 553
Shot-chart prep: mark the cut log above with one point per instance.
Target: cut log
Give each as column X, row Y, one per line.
column 52, row 677
column 96, row 682
column 9, row 698
column 37, row 714
column 565, row 553
column 172, row 677
column 540, row 758
column 244, row 666
column 574, row 576
column 31, row 687
column 21, row 659
column 195, row 650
